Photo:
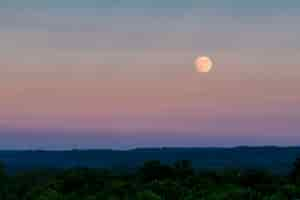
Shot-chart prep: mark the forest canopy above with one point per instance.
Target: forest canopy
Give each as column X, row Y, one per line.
column 152, row 181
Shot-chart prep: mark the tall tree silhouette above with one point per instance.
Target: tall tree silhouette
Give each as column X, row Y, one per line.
column 295, row 174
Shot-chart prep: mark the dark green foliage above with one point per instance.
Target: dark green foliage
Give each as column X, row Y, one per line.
column 2, row 181
column 154, row 170
column 153, row 181
column 147, row 195
column 183, row 168
column 2, row 173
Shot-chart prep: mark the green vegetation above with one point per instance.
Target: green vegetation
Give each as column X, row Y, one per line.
column 152, row 181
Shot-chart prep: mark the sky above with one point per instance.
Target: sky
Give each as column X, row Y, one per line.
column 120, row 73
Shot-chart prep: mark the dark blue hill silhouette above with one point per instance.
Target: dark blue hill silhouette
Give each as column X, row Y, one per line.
column 277, row 159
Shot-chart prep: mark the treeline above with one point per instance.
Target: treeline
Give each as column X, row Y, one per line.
column 152, row 181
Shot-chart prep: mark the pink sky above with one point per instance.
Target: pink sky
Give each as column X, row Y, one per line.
column 129, row 70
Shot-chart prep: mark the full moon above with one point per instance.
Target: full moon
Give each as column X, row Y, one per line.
column 203, row 64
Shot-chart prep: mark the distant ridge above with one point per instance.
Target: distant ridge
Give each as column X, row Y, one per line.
column 275, row 158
